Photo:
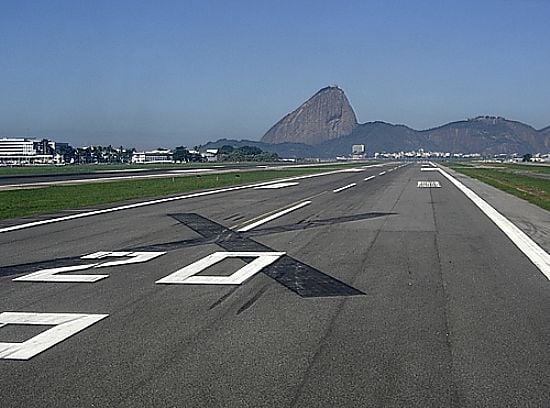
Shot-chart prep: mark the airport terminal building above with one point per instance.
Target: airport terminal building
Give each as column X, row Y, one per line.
column 19, row 150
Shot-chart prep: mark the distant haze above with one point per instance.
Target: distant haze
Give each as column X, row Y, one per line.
column 150, row 74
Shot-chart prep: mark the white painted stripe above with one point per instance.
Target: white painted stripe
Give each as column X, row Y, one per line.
column 158, row 201
column 531, row 249
column 273, row 216
column 276, row 186
column 369, row 178
column 354, row 170
column 381, row 173
column 429, row 169
column 344, row 188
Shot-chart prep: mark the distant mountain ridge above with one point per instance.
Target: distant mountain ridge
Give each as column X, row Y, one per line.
column 326, row 126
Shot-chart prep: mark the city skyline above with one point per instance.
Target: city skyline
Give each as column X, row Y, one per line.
column 184, row 73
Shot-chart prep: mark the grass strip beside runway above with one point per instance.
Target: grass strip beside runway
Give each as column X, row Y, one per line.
column 24, row 202
column 534, row 189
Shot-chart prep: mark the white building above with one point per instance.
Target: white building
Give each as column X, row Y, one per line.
column 19, row 150
column 153, row 156
column 211, row 155
column 358, row 151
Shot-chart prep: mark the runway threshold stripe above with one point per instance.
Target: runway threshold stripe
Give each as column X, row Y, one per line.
column 531, row 249
column 273, row 216
column 344, row 188
column 158, row 201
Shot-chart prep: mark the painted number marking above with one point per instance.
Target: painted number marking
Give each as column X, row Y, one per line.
column 428, row 184
column 187, row 274
column 65, row 325
column 51, row 275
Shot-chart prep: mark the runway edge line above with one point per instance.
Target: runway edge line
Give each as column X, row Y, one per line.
column 530, row 248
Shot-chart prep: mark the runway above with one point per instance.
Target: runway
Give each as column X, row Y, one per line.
column 374, row 286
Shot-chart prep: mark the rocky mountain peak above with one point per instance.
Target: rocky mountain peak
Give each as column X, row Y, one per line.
column 325, row 116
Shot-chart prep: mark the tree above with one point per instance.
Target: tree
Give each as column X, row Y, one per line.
column 226, row 149
column 181, row 154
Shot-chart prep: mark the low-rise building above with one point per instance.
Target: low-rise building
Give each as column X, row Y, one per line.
column 153, row 156
column 21, row 150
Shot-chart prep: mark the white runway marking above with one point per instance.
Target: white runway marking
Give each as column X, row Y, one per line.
column 65, row 325
column 276, row 186
column 370, row 178
column 428, row 184
column 381, row 173
column 353, row 170
column 344, row 188
column 158, row 201
column 531, row 249
column 429, row 169
column 273, row 216
column 186, row 275
column 189, row 171
column 133, row 257
column 51, row 275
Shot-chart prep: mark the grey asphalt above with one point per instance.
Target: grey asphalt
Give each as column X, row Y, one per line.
column 449, row 312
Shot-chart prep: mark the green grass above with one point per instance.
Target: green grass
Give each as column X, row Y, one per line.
column 532, row 168
column 511, row 167
column 536, row 190
column 23, row 202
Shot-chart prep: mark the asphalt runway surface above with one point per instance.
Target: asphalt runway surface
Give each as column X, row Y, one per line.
column 352, row 289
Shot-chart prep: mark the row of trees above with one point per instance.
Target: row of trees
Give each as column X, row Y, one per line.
column 94, row 154
column 227, row 153
column 181, row 154
column 245, row 153
column 109, row 154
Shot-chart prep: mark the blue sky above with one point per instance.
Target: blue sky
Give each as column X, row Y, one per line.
column 167, row 73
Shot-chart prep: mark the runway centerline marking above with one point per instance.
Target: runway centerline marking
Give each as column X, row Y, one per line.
column 370, row 178
column 276, row 186
column 344, row 188
column 531, row 249
column 273, row 216
column 381, row 173
column 65, row 325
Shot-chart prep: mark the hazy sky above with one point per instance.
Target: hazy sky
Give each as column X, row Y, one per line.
column 167, row 73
